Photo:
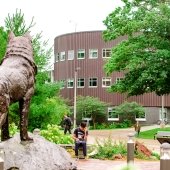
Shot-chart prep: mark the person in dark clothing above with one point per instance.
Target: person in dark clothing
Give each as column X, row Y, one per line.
column 80, row 136
column 67, row 124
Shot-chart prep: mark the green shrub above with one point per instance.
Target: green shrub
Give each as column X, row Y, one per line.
column 125, row 124
column 107, row 149
column 54, row 134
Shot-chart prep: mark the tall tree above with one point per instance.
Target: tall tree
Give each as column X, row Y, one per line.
column 144, row 55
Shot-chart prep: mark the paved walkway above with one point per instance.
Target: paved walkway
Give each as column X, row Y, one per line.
column 95, row 164
column 118, row 135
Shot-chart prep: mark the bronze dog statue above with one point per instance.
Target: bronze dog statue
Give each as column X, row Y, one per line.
column 17, row 79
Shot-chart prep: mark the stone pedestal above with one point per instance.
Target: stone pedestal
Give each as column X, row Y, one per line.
column 41, row 154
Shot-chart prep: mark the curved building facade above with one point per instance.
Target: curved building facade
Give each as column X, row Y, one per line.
column 80, row 57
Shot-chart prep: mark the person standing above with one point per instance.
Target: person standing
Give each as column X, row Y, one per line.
column 67, row 124
column 80, row 137
column 137, row 128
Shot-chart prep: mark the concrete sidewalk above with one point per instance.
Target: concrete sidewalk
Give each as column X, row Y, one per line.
column 95, row 164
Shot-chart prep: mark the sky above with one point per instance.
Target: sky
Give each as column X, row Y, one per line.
column 57, row 17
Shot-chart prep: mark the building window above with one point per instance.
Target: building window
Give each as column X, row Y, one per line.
column 93, row 53
column 118, row 79
column 106, row 82
column 70, row 83
column 71, row 55
column 141, row 117
column 93, row 82
column 106, row 53
column 112, row 116
column 62, row 56
column 81, row 54
column 57, row 57
column 62, row 84
column 80, row 82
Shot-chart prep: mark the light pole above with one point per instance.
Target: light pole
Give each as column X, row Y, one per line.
column 162, row 113
column 75, row 95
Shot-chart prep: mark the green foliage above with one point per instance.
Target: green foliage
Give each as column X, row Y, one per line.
column 91, row 107
column 16, row 23
column 129, row 110
column 3, row 40
column 55, row 135
column 145, row 54
column 12, row 129
column 126, row 123
column 46, row 109
column 107, row 148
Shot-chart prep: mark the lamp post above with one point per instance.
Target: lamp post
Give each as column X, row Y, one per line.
column 162, row 113
column 75, row 95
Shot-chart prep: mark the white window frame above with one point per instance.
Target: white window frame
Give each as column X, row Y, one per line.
column 141, row 118
column 79, row 81
column 118, row 79
column 69, row 82
column 91, row 80
column 105, row 80
column 63, row 82
column 57, row 57
column 110, row 109
column 62, row 56
column 105, row 52
column 80, row 51
column 71, row 55
column 93, row 53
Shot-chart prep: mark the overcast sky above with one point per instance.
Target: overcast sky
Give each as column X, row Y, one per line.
column 56, row 17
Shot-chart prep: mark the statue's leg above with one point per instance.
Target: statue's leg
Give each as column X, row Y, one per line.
column 24, row 107
column 4, row 104
column 5, row 130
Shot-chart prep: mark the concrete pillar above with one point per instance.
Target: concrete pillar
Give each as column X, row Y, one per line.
column 165, row 157
column 130, row 148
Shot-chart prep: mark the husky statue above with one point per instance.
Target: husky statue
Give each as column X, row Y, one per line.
column 17, row 79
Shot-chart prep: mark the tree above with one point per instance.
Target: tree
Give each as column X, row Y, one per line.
column 129, row 111
column 45, row 105
column 90, row 107
column 144, row 55
column 3, row 40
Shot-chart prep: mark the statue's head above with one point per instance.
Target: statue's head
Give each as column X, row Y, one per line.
column 24, row 41
column 21, row 46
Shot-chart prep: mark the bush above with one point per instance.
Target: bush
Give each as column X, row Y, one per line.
column 125, row 124
column 107, row 149
column 55, row 135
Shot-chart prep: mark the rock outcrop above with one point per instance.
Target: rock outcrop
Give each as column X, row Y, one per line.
column 39, row 155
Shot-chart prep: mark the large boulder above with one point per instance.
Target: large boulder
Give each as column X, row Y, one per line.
column 41, row 154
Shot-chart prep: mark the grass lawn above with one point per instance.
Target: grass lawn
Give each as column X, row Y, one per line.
column 149, row 134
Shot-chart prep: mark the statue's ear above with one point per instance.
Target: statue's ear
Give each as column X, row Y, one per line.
column 27, row 34
column 11, row 36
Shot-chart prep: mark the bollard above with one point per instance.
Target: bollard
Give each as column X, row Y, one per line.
column 130, row 149
column 165, row 158
column 1, row 156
